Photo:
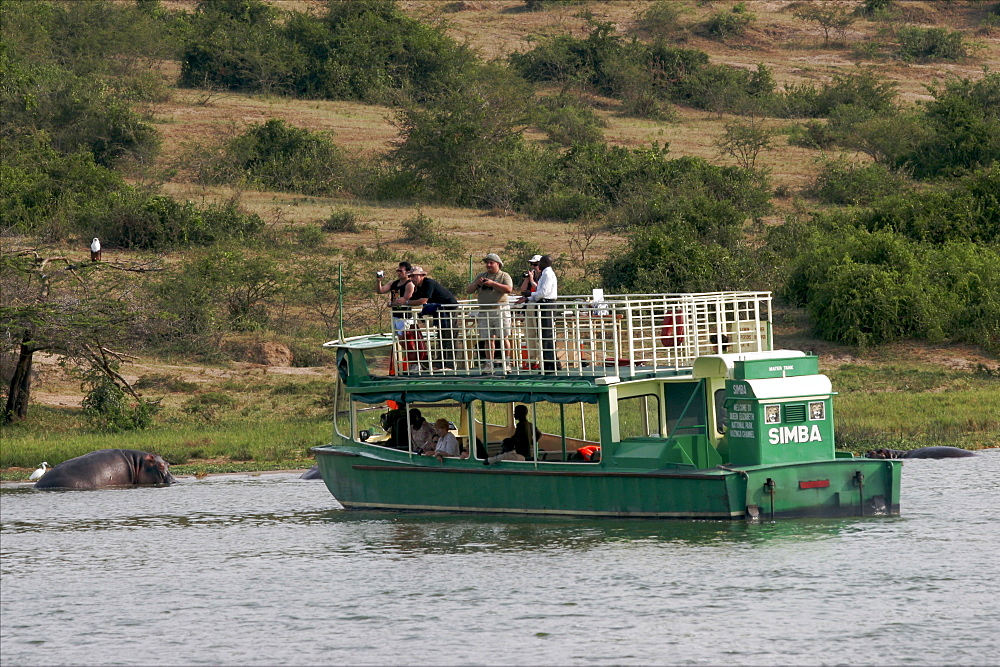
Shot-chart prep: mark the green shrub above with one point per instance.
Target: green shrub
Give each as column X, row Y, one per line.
column 928, row 44
column 564, row 202
column 811, row 134
column 852, row 184
column 862, row 93
column 134, row 219
column 58, row 196
column 968, row 211
column 342, row 220
column 874, row 7
column 108, row 408
column 661, row 19
column 214, row 292
column 589, row 62
column 961, row 129
column 239, row 45
column 74, row 70
column 467, row 146
column 568, row 123
column 722, row 88
column 673, row 259
column 732, row 23
column 871, row 288
column 421, row 229
column 366, row 50
column 281, row 157
column 311, row 236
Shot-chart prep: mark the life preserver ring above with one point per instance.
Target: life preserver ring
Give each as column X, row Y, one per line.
column 587, row 453
column 672, row 333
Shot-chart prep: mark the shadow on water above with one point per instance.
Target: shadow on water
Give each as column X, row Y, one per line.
column 456, row 534
column 272, row 503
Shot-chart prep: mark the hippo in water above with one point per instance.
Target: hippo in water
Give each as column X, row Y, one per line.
column 312, row 473
column 108, row 467
column 922, row 453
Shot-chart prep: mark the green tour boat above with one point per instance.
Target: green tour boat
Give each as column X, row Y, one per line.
column 659, row 405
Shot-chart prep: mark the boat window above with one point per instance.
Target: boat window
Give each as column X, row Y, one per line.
column 720, row 410
column 677, row 396
column 638, row 416
column 564, row 427
column 342, row 410
column 377, row 359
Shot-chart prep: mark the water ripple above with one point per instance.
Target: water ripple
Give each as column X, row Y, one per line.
column 268, row 569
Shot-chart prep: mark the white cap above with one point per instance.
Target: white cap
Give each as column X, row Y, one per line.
column 535, row 259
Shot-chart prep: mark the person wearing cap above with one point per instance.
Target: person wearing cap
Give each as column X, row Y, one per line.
column 546, row 292
column 530, row 276
column 429, row 291
column 492, row 288
column 532, row 339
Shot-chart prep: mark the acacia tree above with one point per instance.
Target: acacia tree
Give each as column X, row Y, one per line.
column 84, row 312
column 830, row 17
column 744, row 139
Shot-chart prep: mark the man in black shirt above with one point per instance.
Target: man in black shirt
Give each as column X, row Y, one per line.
column 429, row 291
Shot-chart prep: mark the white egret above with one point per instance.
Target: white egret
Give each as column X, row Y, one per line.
column 41, row 471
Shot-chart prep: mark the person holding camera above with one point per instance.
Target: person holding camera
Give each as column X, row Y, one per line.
column 492, row 288
column 439, row 303
column 529, row 279
column 401, row 287
column 545, row 295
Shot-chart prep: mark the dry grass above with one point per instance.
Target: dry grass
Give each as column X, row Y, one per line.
column 792, row 48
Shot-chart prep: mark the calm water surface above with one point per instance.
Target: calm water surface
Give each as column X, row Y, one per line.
column 269, row 569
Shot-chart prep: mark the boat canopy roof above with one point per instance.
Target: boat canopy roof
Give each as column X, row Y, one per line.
column 504, row 394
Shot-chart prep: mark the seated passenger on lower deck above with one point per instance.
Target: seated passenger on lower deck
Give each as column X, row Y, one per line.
column 522, row 439
column 508, row 454
column 447, row 444
column 422, row 433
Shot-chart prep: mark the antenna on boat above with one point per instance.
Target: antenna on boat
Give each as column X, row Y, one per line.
column 340, row 298
column 471, row 276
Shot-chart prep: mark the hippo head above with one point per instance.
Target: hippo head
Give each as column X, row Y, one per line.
column 154, row 470
column 878, row 454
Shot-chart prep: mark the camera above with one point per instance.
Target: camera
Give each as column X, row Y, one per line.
column 525, row 274
column 380, row 274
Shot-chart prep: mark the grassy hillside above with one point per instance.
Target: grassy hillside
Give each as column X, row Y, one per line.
column 209, row 384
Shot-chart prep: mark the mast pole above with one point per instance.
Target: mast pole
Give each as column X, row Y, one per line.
column 340, row 298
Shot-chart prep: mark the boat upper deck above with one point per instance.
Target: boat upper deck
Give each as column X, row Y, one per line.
column 592, row 336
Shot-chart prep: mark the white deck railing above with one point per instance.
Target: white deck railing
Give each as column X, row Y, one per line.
column 625, row 335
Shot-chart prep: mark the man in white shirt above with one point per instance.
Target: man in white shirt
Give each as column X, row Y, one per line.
column 546, row 293
column 447, row 443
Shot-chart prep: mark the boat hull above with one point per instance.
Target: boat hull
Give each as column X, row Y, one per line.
column 376, row 478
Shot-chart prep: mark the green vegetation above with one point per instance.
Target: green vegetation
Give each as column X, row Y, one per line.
column 906, row 407
column 276, row 156
column 723, row 24
column 365, row 50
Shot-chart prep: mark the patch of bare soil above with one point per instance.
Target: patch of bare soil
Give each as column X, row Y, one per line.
column 54, row 385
